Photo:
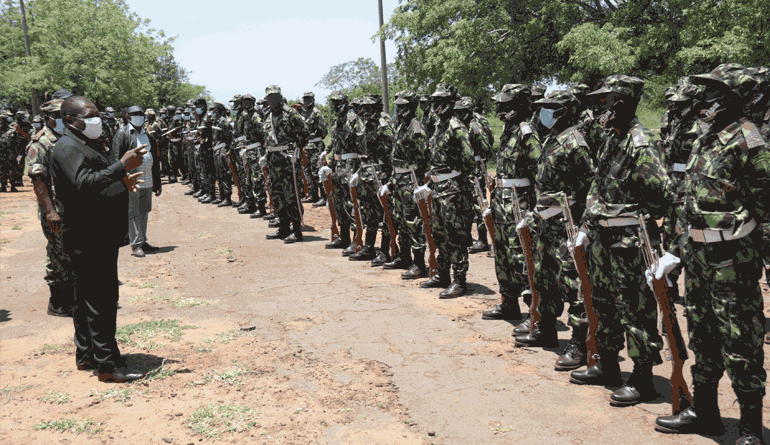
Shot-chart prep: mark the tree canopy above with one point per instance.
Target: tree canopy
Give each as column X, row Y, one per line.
column 97, row 48
column 359, row 77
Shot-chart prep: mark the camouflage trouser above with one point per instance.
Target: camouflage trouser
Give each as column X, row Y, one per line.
column 343, row 203
column 369, row 201
column 509, row 257
column 725, row 312
column 207, row 170
column 163, row 158
column 621, row 298
column 282, row 186
column 314, row 150
column 452, row 221
column 481, row 173
column 406, row 215
column 192, row 171
column 56, row 262
column 176, row 163
column 556, row 278
column 6, row 168
column 224, row 177
column 254, row 180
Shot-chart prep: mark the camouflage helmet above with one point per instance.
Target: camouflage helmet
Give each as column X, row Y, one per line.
column 53, row 106
column 621, row 84
column 217, row 106
column 189, row 104
column 445, row 90
column 109, row 110
column 729, row 78
column 170, row 109
column 557, row 99
column 22, row 115
column 339, row 96
column 6, row 114
column 538, row 92
column 376, row 98
column 272, row 89
column 308, row 94
column 61, row 94
column 513, row 91
column 237, row 98
column 465, row 103
column 685, row 91
column 38, row 119
column 406, row 97
column 178, row 111
column 262, row 102
column 424, row 97
column 150, row 112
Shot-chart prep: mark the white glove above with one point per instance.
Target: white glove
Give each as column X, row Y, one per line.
column 354, row 180
column 487, row 212
column 422, row 192
column 384, row 190
column 324, row 173
column 323, row 155
column 581, row 240
column 666, row 264
column 522, row 224
column 263, row 161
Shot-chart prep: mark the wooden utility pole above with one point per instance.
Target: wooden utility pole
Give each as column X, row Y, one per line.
column 33, row 102
column 383, row 67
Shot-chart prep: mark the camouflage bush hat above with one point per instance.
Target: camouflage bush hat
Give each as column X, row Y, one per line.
column 189, row 104
column 109, row 110
column 309, row 94
column 729, row 78
column 200, row 101
column 247, row 97
column 339, row 96
column 366, row 100
column 21, row 114
column 686, row 91
column 512, row 91
column 5, row 113
column 53, row 106
column 621, row 84
column 465, row 103
column 217, row 106
column 424, row 97
column 150, row 112
column 557, row 99
column 178, row 111
column 538, row 92
column 237, row 98
column 262, row 103
column 376, row 98
column 61, row 94
column 406, row 97
column 170, row 109
column 445, row 90
column 37, row 118
column 272, row 89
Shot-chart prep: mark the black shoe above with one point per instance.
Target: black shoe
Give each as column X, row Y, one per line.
column 198, row 194
column 435, row 282
column 599, row 374
column 218, row 201
column 248, row 209
column 308, row 200
column 630, row 395
column 523, row 327
column 320, row 203
column 539, row 338
column 86, row 364
column 398, row 263
column 415, row 272
column 366, row 254
column 380, row 259
column 293, row 238
column 206, row 199
column 350, row 250
column 503, row 311
column 573, row 357
column 336, row 244
column 268, row 216
column 688, row 422
column 274, row 223
column 172, row 180
column 65, row 312
column 149, row 248
column 479, row 247
column 278, row 234
column 456, row 289
column 189, row 192
column 120, row 375
column 14, row 189
column 225, row 203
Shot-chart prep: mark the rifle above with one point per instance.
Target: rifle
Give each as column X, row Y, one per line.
column 267, row 189
column 426, row 217
column 304, row 177
column 329, row 187
column 231, row 164
column 579, row 259
column 293, row 159
column 22, row 132
column 386, row 211
column 680, row 395
column 358, row 238
column 525, row 238
column 484, row 206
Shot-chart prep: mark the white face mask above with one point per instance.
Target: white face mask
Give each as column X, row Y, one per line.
column 93, row 127
column 137, row 121
column 199, row 111
column 59, row 128
column 37, row 125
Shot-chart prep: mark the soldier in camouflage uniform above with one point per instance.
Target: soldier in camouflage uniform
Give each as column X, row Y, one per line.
column 631, row 180
column 22, row 138
column 516, row 168
column 254, row 183
column 237, row 146
column 222, row 134
column 285, row 134
column 452, row 167
column 375, row 142
column 38, row 154
column 111, row 121
column 344, row 160
column 6, row 151
column 538, row 92
column 205, row 153
column 588, row 126
column 564, row 172
column 727, row 197
column 316, row 126
column 428, row 119
column 176, row 147
column 409, row 157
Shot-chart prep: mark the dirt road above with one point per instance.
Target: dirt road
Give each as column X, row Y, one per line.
column 253, row 341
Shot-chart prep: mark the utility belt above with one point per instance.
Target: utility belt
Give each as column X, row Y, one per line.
column 401, row 171
column 346, row 156
column 549, row 212
column 240, row 139
column 278, row 148
column 619, row 222
column 678, row 167
column 445, row 176
column 174, row 139
column 371, row 165
column 315, row 140
column 510, row 183
column 717, row 235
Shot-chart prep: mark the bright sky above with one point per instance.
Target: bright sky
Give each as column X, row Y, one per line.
column 242, row 47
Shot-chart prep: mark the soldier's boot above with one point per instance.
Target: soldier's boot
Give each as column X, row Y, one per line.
column 417, row 269
column 481, row 245
column 349, row 250
column 383, row 256
column 404, row 256
column 13, row 188
column 368, row 252
column 206, row 199
column 606, row 372
column 508, row 309
column 259, row 211
column 61, row 300
column 219, row 199
column 439, row 280
column 637, row 389
column 750, row 424
column 274, row 223
column 283, row 231
column 543, row 335
column 458, row 288
column 574, row 355
column 268, row 216
column 3, row 189
column 767, row 339
column 343, row 241
column 702, row 417
column 226, row 202
column 296, row 233
column 197, row 193
column 523, row 327
column 247, row 208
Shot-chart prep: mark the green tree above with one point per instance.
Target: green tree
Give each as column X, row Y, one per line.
column 360, row 77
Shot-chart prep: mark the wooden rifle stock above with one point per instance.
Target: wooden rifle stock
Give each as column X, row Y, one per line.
column 386, row 211
column 489, row 222
column 425, row 213
column 233, row 171
column 306, row 188
column 329, row 188
column 358, row 238
column 525, row 238
column 680, row 394
column 267, row 188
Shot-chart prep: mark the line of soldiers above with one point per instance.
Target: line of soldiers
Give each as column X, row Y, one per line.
column 15, row 133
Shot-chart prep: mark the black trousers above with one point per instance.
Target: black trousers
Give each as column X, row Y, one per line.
column 95, row 270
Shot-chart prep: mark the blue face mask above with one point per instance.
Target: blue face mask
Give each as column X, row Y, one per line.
column 546, row 117
column 59, row 128
column 37, row 125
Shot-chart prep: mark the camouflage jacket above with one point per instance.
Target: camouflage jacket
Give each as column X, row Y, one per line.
column 429, row 122
column 38, row 161
column 156, row 129
column 224, row 135
column 344, row 138
column 284, row 128
column 765, row 130
column 238, row 125
column 486, row 127
column 506, row 134
column 518, row 159
column 253, row 129
column 480, row 140
column 410, row 147
column 727, row 181
column 593, row 133
column 677, row 151
column 666, row 125
column 315, row 123
column 630, row 179
column 450, row 150
column 565, row 166
column 6, row 144
column 376, row 139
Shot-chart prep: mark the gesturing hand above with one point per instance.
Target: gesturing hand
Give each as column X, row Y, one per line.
column 132, row 182
column 134, row 157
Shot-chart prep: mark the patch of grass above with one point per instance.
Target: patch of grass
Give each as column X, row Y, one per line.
column 148, row 285
column 5, row 241
column 117, row 395
column 87, row 426
column 190, row 302
column 501, row 429
column 227, row 337
column 344, row 410
column 55, row 397
column 16, row 389
column 15, row 228
column 157, row 299
column 225, row 251
column 50, row 348
column 214, row 420
column 409, row 422
column 158, row 373
column 141, row 334
column 650, row 116
column 204, row 349
column 230, row 377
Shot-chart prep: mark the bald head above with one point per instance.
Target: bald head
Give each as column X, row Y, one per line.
column 75, row 109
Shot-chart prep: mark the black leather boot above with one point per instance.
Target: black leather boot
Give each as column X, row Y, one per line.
column 247, row 208
column 523, row 327
column 206, row 199
column 198, row 193
column 637, row 389
column 574, row 355
column 380, row 259
column 226, row 202
column 702, row 417
column 283, row 231
column 296, row 233
column 458, row 288
column 606, row 372
column 542, row 336
column 508, row 309
column 276, row 222
column 402, row 261
column 61, row 301
column 441, row 279
column 320, row 203
column 750, row 424
column 366, row 254
column 342, row 241
column 481, row 245
column 350, row 250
